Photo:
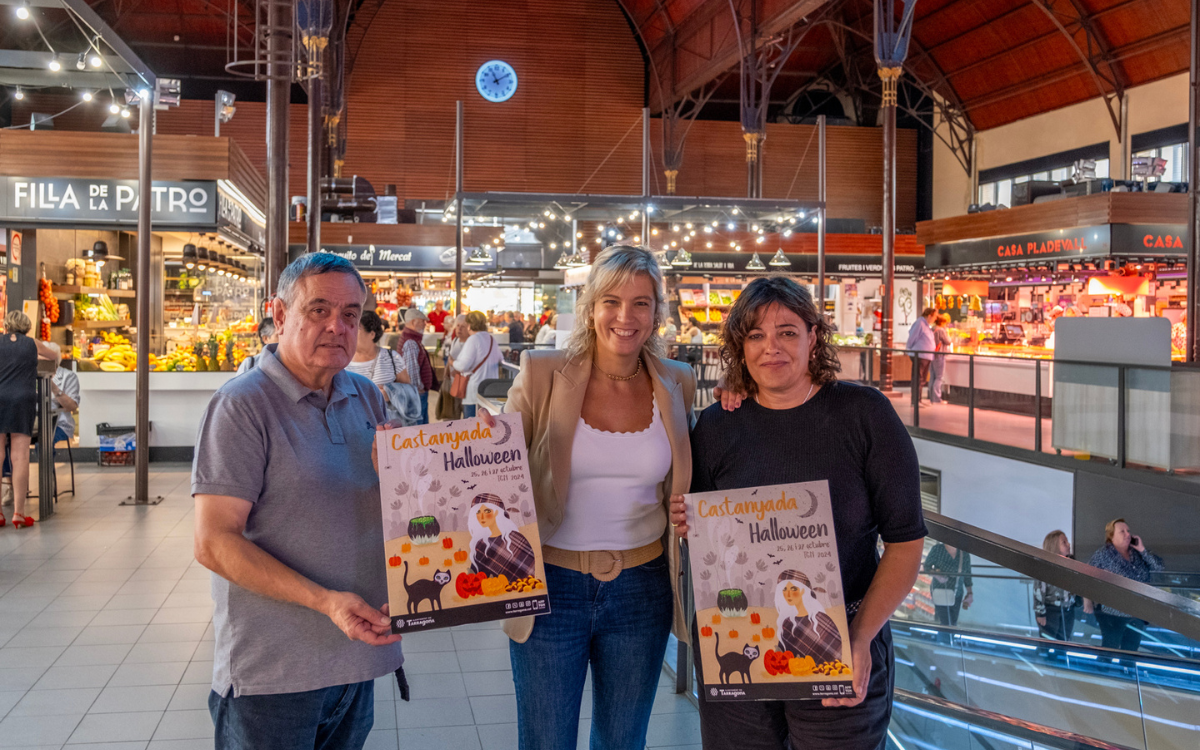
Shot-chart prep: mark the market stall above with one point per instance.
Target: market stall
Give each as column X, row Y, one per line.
column 70, row 201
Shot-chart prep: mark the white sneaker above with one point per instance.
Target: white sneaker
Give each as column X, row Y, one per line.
column 6, row 493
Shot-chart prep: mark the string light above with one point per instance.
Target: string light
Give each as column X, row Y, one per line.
column 86, row 96
column 23, row 11
column 19, row 94
column 55, row 65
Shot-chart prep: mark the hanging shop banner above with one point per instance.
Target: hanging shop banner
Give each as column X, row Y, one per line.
column 770, row 605
column 402, row 257
column 801, row 263
column 460, row 527
column 80, row 200
column 1061, row 245
column 234, row 220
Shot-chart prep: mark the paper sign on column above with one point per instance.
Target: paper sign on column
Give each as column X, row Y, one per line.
column 459, row 525
column 770, row 605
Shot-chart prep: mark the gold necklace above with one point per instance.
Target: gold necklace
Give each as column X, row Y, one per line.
column 621, row 377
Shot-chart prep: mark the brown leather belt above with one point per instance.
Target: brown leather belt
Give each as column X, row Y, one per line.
column 603, row 565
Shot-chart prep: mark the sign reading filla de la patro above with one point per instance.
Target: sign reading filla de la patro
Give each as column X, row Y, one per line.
column 102, row 201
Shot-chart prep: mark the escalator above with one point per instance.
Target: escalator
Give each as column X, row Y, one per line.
column 994, row 681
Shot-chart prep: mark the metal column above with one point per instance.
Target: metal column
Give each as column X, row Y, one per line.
column 141, row 481
column 458, row 206
column 822, row 196
column 645, row 177
column 1193, row 232
column 888, row 286
column 279, row 87
column 315, row 137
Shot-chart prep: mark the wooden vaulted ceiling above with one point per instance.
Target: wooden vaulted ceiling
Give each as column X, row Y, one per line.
column 1000, row 60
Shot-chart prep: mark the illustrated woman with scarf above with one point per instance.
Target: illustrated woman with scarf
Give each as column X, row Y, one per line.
column 804, row 628
column 497, row 547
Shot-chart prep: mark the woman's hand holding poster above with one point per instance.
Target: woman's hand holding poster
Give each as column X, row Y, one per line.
column 459, row 526
column 770, row 608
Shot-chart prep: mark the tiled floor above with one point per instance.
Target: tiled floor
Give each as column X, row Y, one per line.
column 106, row 641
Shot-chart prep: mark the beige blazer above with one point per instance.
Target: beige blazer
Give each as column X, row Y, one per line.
column 548, row 394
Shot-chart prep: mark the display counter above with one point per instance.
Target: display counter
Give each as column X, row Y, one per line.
column 177, row 403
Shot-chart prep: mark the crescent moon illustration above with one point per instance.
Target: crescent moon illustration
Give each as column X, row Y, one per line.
column 812, row 508
column 507, row 432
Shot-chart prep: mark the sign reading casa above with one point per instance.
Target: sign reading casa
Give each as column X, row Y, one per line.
column 1064, row 245
column 1048, row 247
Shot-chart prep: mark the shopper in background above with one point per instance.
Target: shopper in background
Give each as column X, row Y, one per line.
column 437, row 318
column 1053, row 607
column 479, row 360
column 266, row 335
column 1126, row 555
column 545, row 315
column 380, row 366
column 18, row 405
column 65, row 388
column 449, row 407
column 779, row 355
column 951, row 588
column 416, row 359
column 620, row 411
column 516, row 328
column 941, row 340
column 547, row 334
column 287, row 518
column 921, row 339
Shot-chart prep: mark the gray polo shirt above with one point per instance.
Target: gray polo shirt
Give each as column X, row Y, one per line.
column 305, row 463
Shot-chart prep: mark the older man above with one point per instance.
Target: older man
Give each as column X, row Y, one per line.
column 288, row 518
column 416, row 359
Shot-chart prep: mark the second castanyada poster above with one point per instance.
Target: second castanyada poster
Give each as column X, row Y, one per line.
column 770, row 608
column 460, row 529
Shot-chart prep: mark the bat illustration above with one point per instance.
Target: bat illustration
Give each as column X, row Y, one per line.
column 778, row 562
column 472, row 487
column 464, row 481
column 739, row 520
column 752, row 494
column 770, row 555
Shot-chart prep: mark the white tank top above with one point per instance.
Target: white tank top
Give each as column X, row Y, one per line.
column 613, row 502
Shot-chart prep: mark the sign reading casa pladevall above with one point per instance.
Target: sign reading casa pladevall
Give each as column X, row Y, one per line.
column 1081, row 243
column 81, row 200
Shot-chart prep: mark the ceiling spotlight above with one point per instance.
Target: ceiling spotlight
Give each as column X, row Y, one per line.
column 86, row 96
column 674, row 227
column 19, row 94
column 761, row 239
column 735, row 211
column 731, row 226
column 125, row 112
column 707, row 229
column 81, row 61
column 95, row 60
column 55, row 65
column 23, row 11
column 787, row 233
column 114, row 108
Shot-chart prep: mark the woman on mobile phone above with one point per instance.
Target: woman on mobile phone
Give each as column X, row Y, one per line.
column 1126, row 555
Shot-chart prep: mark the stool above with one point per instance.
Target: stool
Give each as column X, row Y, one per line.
column 71, row 462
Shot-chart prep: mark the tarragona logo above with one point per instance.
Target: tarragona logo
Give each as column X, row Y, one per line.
column 1163, row 240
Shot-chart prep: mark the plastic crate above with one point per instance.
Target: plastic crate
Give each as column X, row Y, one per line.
column 116, row 445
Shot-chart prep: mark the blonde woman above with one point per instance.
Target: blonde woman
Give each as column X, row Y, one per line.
column 606, row 425
column 1053, row 607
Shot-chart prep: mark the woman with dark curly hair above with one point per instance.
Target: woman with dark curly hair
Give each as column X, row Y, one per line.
column 799, row 424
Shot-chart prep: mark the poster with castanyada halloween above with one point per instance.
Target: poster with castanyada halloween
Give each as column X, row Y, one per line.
column 770, row 606
column 459, row 526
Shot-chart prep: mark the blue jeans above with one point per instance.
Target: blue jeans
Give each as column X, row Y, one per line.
column 620, row 628
column 334, row 718
column 468, row 411
column 424, row 399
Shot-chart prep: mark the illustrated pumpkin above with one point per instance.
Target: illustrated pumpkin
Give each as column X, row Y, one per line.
column 777, row 662
column 423, row 561
column 755, row 638
column 768, row 633
column 447, row 562
column 733, row 634
column 406, row 547
column 706, row 631
column 460, row 556
column 494, row 586
column 466, row 585
column 801, row 667
column 448, row 543
column 395, row 561
column 716, row 619
column 755, row 618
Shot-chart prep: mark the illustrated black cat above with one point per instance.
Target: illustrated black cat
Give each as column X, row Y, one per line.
column 735, row 662
column 422, row 589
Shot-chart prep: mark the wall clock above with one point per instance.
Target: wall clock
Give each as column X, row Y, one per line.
column 496, row 81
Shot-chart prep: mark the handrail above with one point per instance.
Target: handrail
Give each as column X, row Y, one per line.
column 1140, row 600
column 1026, row 730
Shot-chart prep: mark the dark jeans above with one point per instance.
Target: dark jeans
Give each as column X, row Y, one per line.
column 1060, row 623
column 948, row 616
column 334, row 718
column 1116, row 632
column 923, row 371
column 780, row 725
column 620, row 628
column 469, row 411
column 424, row 398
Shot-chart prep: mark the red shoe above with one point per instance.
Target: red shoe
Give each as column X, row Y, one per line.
column 2, row 521
column 18, row 521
